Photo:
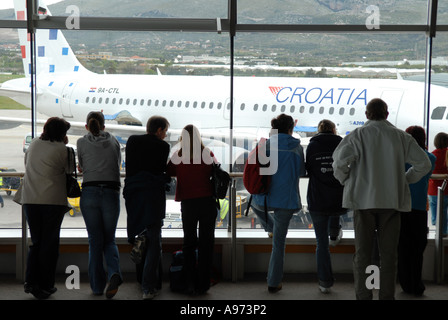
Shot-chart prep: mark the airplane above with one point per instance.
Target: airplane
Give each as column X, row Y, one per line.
column 65, row 88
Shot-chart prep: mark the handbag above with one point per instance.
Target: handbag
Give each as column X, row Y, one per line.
column 220, row 180
column 72, row 185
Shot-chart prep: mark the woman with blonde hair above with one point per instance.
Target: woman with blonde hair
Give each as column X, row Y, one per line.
column 192, row 165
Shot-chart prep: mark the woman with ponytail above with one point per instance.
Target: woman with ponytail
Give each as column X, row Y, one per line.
column 99, row 159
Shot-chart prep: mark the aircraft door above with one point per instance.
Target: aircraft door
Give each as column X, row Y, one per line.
column 393, row 100
column 66, row 98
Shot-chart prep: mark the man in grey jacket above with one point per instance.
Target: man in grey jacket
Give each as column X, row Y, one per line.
column 370, row 163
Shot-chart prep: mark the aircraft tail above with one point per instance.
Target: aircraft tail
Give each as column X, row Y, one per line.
column 53, row 52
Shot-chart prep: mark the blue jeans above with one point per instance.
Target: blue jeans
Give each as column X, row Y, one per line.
column 433, row 208
column 100, row 208
column 278, row 224
column 324, row 226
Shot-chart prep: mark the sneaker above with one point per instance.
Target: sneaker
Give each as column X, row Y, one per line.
column 334, row 241
column 275, row 289
column 114, row 283
column 150, row 295
column 324, row 290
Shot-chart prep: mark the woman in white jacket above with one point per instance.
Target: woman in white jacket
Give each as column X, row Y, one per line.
column 44, row 199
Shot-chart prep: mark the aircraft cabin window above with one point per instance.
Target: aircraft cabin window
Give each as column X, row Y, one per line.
column 156, row 103
column 311, row 109
column 228, row 106
column 142, row 102
column 242, row 106
column 106, row 101
column 273, row 108
column 100, row 100
column 121, row 101
column 302, row 109
column 187, row 103
column 437, row 113
column 149, row 102
column 163, row 103
column 352, row 111
column 114, row 100
column 195, row 104
column 341, row 111
column 202, row 105
column 255, row 107
column 210, row 106
column 321, row 110
column 135, row 102
column 128, row 101
column 87, row 100
column 292, row 109
column 179, row 104
column 219, row 105
column 265, row 107
column 331, row 111
column 283, row 108
column 93, row 100
column 171, row 103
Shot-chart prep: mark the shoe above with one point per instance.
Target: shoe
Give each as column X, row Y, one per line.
column 36, row 292
column 275, row 289
column 324, row 290
column 114, row 283
column 334, row 241
column 150, row 295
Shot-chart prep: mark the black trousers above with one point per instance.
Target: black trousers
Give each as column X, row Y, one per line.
column 202, row 212
column 412, row 244
column 45, row 225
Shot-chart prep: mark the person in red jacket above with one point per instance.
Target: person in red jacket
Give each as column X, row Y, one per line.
column 192, row 165
column 441, row 144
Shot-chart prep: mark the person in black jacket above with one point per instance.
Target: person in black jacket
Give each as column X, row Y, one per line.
column 324, row 198
column 145, row 199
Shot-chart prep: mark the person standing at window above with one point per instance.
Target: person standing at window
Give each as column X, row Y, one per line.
column 145, row 198
column 283, row 197
column 441, row 167
column 414, row 227
column 370, row 163
column 44, row 198
column 324, row 198
column 99, row 159
column 192, row 165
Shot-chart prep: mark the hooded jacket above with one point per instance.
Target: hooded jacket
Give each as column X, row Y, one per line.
column 99, row 157
column 288, row 165
column 324, row 191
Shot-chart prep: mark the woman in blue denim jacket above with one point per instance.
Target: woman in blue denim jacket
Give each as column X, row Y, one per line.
column 283, row 199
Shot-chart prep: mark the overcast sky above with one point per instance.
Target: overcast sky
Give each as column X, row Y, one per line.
column 6, row 4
